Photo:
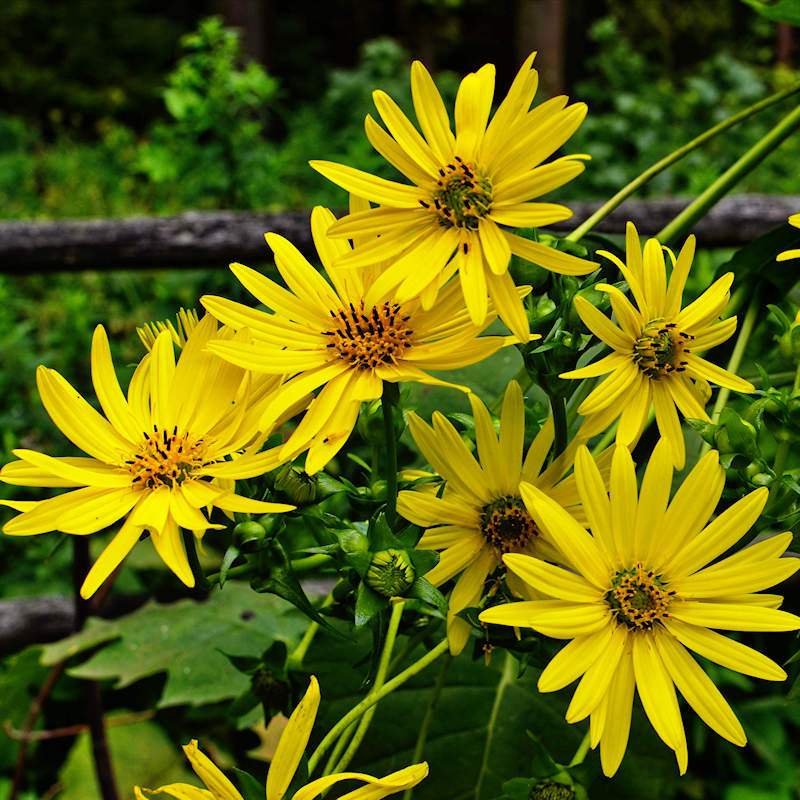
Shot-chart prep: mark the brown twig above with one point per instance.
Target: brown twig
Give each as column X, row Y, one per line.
column 71, row 730
column 30, row 721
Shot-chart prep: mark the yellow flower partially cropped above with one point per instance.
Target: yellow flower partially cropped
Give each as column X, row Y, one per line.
column 655, row 362
column 787, row 254
column 152, row 457
column 347, row 337
column 481, row 516
column 643, row 591
column 465, row 187
column 284, row 764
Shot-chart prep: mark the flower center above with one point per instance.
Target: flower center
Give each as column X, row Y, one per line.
column 369, row 338
column 638, row 597
column 165, row 458
column 660, row 349
column 507, row 526
column 462, row 195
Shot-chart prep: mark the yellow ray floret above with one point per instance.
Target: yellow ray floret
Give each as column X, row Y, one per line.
column 794, row 220
column 655, row 363
column 481, row 515
column 643, row 590
column 348, row 336
column 154, row 454
column 466, row 189
column 284, row 764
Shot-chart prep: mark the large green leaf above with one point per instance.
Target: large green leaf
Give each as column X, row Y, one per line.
column 141, row 753
column 469, row 756
column 187, row 641
column 777, row 10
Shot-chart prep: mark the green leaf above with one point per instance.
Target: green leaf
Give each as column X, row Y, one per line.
column 283, row 582
column 756, row 260
column 184, row 639
column 462, row 732
column 141, row 753
column 250, row 788
column 777, row 10
column 368, row 604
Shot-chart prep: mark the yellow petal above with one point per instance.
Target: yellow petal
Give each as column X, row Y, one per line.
column 731, row 617
column 548, row 257
column 657, row 693
column 620, row 705
column 405, row 133
column 556, row 618
column 209, row 773
column 507, row 301
column 698, row 689
column 574, row 659
column 431, row 113
column 292, row 743
column 363, row 184
column 552, row 580
column 724, row 651
column 107, row 389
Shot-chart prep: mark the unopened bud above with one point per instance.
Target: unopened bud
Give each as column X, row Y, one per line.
column 550, row 790
column 390, row 573
column 297, row 485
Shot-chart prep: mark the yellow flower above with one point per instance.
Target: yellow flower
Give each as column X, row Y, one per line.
column 655, row 361
column 787, row 254
column 641, row 594
column 284, row 764
column 465, row 186
column 185, row 323
column 347, row 337
column 481, row 516
column 151, row 455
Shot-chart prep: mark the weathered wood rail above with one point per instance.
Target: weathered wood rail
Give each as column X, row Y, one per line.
column 216, row 238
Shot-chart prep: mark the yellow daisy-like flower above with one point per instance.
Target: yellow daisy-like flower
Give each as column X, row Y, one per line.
column 465, row 187
column 642, row 592
column 481, row 516
column 342, row 336
column 787, row 254
column 284, row 764
column 655, row 362
column 152, row 456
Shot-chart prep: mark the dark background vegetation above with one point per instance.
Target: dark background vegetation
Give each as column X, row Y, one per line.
column 119, row 107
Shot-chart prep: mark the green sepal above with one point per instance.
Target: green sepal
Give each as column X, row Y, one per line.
column 424, row 590
column 231, row 554
column 283, row 582
column 368, row 604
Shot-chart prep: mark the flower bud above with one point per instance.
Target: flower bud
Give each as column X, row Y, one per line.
column 550, row 790
column 390, row 573
column 297, row 485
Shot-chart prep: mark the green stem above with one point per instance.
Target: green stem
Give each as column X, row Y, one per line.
column 413, row 643
column 422, row 736
column 505, row 680
column 678, row 154
column 389, row 399
column 380, row 678
column 748, row 323
column 308, row 563
column 558, row 407
column 580, row 753
column 725, row 182
column 342, row 742
column 295, row 658
column 201, row 584
column 373, row 698
column 796, row 384
column 605, row 439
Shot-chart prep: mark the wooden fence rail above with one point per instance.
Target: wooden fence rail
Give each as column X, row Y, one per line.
column 216, row 238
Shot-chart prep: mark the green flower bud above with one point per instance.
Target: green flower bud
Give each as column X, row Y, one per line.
column 390, row 573
column 297, row 485
column 550, row 790
column 247, row 531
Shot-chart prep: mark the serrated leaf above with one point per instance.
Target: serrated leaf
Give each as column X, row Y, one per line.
column 184, row 640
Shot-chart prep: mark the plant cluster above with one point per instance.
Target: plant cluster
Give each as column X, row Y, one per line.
column 551, row 512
